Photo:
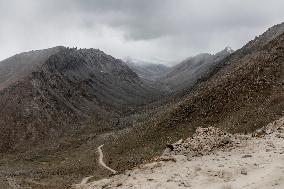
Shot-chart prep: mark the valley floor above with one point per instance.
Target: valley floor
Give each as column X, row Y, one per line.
column 255, row 163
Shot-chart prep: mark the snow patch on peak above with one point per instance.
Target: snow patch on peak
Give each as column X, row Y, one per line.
column 229, row 49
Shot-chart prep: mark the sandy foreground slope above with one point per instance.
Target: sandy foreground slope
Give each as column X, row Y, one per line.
column 247, row 162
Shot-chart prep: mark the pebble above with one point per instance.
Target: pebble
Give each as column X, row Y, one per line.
column 185, row 184
column 244, row 171
column 247, row 156
column 197, row 169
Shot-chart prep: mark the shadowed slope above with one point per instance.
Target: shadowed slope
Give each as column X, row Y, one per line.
column 58, row 96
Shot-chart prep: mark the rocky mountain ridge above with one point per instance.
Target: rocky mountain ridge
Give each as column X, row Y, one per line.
column 69, row 87
column 186, row 74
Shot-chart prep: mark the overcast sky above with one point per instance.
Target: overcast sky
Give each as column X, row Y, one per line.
column 153, row 30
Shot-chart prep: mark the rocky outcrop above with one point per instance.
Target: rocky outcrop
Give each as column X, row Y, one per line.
column 203, row 142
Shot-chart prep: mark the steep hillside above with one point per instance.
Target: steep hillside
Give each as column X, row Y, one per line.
column 56, row 95
column 265, row 38
column 190, row 71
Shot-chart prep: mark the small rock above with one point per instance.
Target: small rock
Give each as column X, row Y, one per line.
column 170, row 180
column 167, row 152
column 189, row 157
column 179, row 142
column 244, row 171
column 226, row 140
column 185, row 184
column 279, row 135
column 270, row 144
column 280, row 129
column 170, row 147
column 197, row 169
column 247, row 156
column 259, row 133
column 116, row 184
column 275, row 183
column 167, row 158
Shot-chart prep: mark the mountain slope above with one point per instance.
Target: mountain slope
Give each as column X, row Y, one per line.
column 245, row 93
column 19, row 66
column 148, row 71
column 190, row 71
column 265, row 38
column 58, row 96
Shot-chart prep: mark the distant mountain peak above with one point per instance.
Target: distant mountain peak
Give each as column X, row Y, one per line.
column 229, row 49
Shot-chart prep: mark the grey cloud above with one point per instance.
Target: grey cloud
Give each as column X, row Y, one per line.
column 148, row 29
column 156, row 18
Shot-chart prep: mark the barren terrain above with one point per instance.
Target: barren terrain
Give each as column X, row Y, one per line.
column 249, row 162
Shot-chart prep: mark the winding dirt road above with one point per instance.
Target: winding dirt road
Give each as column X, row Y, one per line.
column 102, row 163
column 101, row 160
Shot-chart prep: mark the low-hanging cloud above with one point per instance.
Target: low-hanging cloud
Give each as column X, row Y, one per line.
column 149, row 29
